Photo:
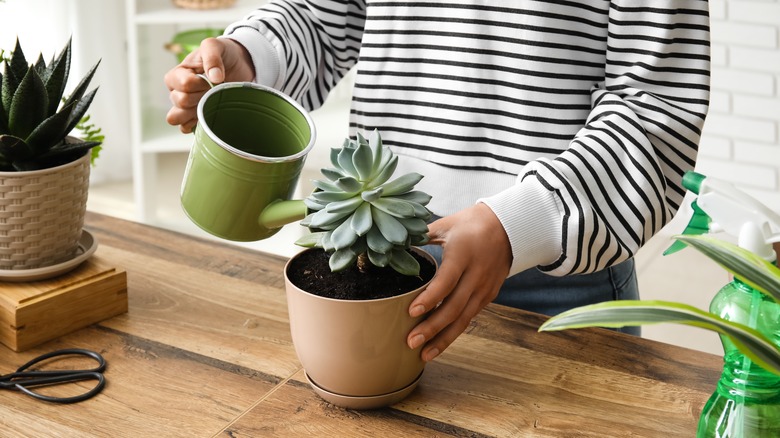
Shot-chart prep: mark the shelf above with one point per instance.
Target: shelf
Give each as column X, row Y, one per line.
column 162, row 12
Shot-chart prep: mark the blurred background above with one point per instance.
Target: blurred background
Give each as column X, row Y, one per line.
column 139, row 171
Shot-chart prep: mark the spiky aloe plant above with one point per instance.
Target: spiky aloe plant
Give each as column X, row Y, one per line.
column 34, row 118
column 360, row 216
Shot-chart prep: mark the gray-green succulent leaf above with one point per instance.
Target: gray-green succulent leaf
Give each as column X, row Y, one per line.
column 361, row 211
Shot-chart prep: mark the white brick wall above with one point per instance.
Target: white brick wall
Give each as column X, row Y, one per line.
column 741, row 139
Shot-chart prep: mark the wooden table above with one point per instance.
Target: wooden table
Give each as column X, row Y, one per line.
column 205, row 350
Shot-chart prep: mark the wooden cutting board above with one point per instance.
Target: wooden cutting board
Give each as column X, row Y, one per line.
column 35, row 312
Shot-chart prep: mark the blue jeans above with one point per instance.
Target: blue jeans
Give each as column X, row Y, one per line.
column 542, row 293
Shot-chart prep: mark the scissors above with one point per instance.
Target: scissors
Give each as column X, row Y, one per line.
column 24, row 379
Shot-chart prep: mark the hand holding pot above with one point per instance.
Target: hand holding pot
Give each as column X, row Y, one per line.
column 221, row 60
column 475, row 262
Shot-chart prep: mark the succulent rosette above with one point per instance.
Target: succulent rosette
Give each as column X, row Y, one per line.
column 358, row 213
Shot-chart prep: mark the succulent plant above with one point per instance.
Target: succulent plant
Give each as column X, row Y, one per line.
column 35, row 120
column 359, row 216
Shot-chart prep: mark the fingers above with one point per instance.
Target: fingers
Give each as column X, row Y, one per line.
column 469, row 295
column 220, row 59
column 475, row 261
column 186, row 88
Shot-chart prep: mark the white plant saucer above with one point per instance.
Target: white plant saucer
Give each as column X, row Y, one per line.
column 364, row 402
column 87, row 246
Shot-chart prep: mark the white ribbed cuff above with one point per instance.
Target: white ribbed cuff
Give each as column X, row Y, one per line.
column 264, row 56
column 532, row 220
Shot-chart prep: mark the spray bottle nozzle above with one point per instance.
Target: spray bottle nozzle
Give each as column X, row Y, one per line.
column 692, row 181
column 733, row 211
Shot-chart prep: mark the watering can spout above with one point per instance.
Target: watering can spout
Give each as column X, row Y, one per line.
column 282, row 212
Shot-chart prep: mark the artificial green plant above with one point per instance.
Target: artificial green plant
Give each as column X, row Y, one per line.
column 359, row 215
column 744, row 265
column 35, row 119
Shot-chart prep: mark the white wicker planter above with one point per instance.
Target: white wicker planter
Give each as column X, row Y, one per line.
column 42, row 214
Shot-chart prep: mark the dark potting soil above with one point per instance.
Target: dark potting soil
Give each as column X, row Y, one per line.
column 310, row 272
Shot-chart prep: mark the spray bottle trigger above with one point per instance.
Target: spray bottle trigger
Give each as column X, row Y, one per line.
column 699, row 224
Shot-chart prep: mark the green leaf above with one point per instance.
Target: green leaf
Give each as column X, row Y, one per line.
column 313, row 205
column 345, row 206
column 326, row 220
column 343, row 236
column 362, row 161
column 14, row 148
column 414, row 225
column 3, row 120
column 342, row 259
column 402, row 184
column 334, row 153
column 82, row 86
column 50, row 131
column 326, row 186
column 419, row 239
column 327, row 243
column 390, row 228
column 311, row 240
column 61, row 153
column 349, row 184
column 417, row 196
column 8, row 88
column 394, row 207
column 404, row 263
column 378, row 258
column 57, row 77
column 28, row 107
column 345, row 162
column 372, row 195
column 18, row 64
column 377, row 242
column 385, row 172
column 375, row 142
column 616, row 314
column 361, row 221
column 332, row 174
column 745, row 265
column 327, row 197
column 81, row 108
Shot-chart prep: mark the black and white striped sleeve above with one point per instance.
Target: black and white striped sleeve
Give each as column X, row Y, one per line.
column 619, row 182
column 313, row 43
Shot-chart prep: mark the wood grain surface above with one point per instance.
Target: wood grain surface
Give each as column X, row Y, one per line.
column 205, row 350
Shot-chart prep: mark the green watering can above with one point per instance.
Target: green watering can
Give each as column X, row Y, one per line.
column 250, row 145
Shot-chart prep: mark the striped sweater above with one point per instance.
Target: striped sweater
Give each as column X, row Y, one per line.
column 572, row 120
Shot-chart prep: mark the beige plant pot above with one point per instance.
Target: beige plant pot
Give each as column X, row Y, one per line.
column 354, row 352
column 42, row 214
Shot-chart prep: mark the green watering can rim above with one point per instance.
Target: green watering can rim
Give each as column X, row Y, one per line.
column 259, row 158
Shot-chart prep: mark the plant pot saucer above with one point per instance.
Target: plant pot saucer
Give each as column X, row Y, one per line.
column 87, row 246
column 364, row 402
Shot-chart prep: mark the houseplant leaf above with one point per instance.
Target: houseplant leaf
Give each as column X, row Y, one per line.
column 745, row 265
column 28, row 106
column 616, row 314
column 56, row 77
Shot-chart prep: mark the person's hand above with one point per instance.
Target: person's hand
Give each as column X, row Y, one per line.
column 476, row 259
column 220, row 59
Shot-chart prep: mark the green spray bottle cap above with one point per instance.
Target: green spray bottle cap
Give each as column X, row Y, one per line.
column 722, row 207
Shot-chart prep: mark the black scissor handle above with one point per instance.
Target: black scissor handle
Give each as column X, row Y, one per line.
column 24, row 379
column 67, row 352
column 73, row 377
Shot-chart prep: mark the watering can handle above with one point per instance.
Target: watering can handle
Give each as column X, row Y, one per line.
column 205, row 78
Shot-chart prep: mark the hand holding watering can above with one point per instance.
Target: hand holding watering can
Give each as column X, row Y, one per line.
column 250, row 145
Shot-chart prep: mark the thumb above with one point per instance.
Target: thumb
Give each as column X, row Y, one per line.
column 211, row 51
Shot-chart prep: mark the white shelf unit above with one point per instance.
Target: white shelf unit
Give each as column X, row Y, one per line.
column 160, row 150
